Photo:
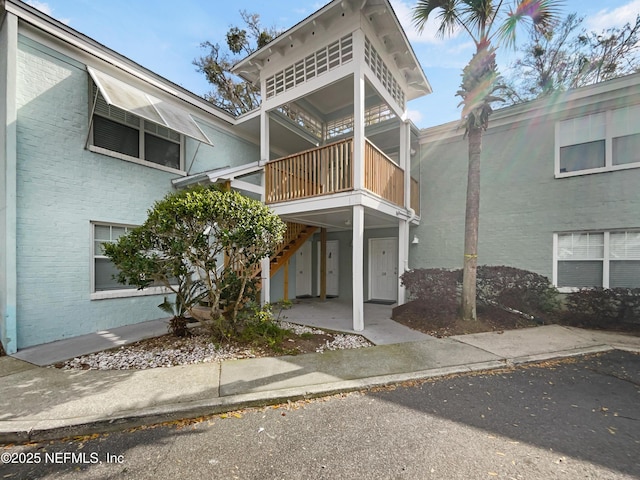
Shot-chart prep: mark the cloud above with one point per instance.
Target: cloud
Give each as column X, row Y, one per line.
column 617, row 17
column 415, row 116
column 46, row 9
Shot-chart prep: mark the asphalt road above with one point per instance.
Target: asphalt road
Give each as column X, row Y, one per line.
column 574, row 419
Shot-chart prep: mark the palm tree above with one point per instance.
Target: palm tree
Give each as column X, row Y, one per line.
column 488, row 23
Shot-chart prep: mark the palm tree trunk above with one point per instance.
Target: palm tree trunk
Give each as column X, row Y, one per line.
column 468, row 304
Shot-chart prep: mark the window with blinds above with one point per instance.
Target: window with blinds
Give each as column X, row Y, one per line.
column 104, row 270
column 598, row 259
column 599, row 142
column 117, row 130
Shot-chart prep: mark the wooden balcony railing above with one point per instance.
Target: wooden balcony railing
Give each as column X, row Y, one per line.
column 382, row 176
column 415, row 195
column 319, row 171
column 329, row 169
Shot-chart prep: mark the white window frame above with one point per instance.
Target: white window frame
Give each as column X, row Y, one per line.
column 141, row 133
column 606, row 258
column 119, row 293
column 611, row 131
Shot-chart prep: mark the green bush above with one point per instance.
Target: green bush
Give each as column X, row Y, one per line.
column 182, row 245
column 518, row 289
column 260, row 327
column 436, row 286
column 600, row 307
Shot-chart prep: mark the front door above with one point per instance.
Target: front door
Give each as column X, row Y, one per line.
column 383, row 269
column 303, row 270
column 333, row 267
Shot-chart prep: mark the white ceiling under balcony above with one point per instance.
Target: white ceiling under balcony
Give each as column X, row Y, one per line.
column 340, row 219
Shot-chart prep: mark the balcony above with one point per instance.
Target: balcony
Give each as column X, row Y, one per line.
column 328, row 170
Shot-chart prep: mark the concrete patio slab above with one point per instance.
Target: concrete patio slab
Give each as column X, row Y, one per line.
column 335, row 314
column 54, row 352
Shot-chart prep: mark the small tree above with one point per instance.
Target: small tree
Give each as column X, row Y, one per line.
column 204, row 245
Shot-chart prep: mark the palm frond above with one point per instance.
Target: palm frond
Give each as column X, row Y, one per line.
column 541, row 14
column 448, row 15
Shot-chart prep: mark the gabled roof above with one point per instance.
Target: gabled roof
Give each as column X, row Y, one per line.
column 384, row 20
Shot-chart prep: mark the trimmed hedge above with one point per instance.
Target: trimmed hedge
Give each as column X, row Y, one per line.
column 518, row 289
column 599, row 306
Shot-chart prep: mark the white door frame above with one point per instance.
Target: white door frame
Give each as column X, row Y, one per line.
column 370, row 262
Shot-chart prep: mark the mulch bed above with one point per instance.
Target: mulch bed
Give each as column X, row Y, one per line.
column 440, row 318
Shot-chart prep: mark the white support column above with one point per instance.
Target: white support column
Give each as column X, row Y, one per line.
column 403, row 256
column 265, row 292
column 405, row 159
column 358, row 268
column 265, row 146
column 403, row 225
column 358, row 111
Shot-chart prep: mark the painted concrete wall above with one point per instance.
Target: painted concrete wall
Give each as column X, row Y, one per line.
column 63, row 188
column 8, row 48
column 521, row 203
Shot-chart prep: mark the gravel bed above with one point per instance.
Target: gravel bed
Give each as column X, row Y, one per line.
column 196, row 349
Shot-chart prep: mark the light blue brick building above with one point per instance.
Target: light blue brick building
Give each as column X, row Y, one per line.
column 67, row 185
column 89, row 140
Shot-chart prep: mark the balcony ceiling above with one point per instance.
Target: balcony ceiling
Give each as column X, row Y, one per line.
column 339, row 219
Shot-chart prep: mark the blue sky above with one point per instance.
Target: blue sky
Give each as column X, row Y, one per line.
column 165, row 36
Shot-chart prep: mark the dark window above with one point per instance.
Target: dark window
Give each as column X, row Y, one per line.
column 116, row 137
column 161, row 151
column 626, row 149
column 583, row 156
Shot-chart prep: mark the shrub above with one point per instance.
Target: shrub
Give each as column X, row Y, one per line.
column 202, row 244
column 518, row 289
column 260, row 326
column 430, row 283
column 600, row 306
column 436, row 286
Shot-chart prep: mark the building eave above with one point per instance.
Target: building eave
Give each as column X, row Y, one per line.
column 249, row 67
column 41, row 21
column 551, row 105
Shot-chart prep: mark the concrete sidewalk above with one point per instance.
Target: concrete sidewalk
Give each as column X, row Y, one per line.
column 45, row 403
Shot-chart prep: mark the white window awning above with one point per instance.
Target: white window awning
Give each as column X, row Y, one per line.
column 120, row 94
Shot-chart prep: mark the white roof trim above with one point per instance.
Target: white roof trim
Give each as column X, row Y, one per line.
column 133, row 100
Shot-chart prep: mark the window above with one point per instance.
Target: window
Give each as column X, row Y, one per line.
column 583, row 156
column 119, row 131
column 103, row 268
column 597, row 259
column 599, row 142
